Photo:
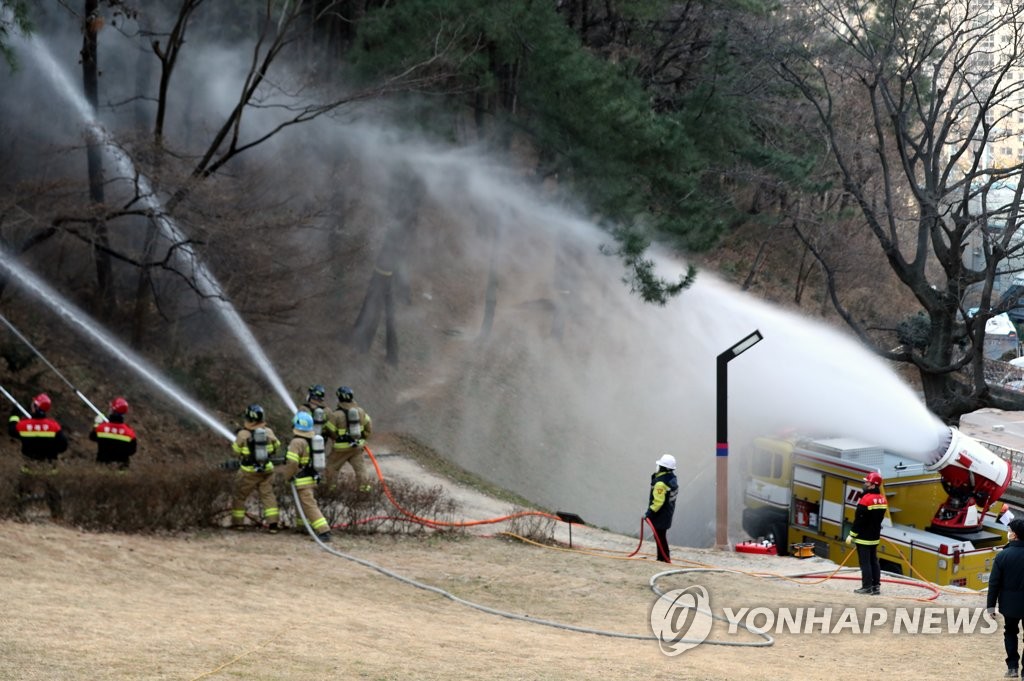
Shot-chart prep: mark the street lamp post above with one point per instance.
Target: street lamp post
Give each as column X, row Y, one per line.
column 722, row 448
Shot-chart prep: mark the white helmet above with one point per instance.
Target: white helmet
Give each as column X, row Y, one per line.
column 668, row 461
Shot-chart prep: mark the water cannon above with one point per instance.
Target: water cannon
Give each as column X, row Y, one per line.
column 973, row 477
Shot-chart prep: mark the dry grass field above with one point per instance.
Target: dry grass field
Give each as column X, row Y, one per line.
column 247, row 605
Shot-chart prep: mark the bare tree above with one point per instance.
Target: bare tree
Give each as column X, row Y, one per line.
column 933, row 174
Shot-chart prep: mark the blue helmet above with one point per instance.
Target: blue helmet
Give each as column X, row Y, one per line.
column 302, row 424
column 345, row 394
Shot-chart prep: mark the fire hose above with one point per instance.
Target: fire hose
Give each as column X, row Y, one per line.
column 52, row 368
column 766, row 639
column 15, row 402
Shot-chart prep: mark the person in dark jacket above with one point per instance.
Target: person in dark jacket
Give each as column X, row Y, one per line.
column 662, row 503
column 42, row 438
column 1006, row 586
column 42, row 441
column 866, row 533
column 115, row 440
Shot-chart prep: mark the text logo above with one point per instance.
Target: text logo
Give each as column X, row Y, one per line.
column 681, row 619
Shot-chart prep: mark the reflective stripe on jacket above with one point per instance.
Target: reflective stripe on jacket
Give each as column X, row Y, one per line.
column 867, row 519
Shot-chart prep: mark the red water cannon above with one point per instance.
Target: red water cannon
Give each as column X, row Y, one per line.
column 973, row 477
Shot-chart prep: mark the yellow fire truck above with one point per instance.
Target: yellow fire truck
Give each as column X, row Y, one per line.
column 805, row 491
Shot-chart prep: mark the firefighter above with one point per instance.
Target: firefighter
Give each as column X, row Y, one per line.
column 316, row 406
column 115, row 440
column 1006, row 586
column 255, row 444
column 867, row 531
column 304, row 462
column 662, row 503
column 348, row 428
column 42, row 441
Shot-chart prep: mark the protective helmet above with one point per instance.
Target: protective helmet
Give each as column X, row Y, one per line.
column 316, row 392
column 873, row 478
column 668, row 461
column 41, row 402
column 302, row 424
column 254, row 413
column 119, row 405
column 345, row 394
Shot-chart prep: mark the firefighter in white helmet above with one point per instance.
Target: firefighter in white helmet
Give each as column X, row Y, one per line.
column 255, row 445
column 348, row 428
column 305, row 460
column 662, row 503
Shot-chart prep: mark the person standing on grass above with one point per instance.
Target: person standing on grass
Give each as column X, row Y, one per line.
column 42, row 441
column 662, row 503
column 866, row 533
column 115, row 440
column 1006, row 587
column 301, row 469
column 348, row 428
column 255, row 444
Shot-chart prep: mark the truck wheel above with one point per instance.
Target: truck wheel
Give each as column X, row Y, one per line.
column 779, row 529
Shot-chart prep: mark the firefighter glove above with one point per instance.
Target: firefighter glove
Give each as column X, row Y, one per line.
column 849, row 539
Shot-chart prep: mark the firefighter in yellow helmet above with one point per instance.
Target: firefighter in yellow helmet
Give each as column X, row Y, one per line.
column 304, row 461
column 255, row 445
column 348, row 428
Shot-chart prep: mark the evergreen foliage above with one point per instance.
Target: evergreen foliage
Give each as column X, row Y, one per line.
column 13, row 18
column 648, row 161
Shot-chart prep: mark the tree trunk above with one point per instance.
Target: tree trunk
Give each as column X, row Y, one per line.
column 380, row 295
column 94, row 155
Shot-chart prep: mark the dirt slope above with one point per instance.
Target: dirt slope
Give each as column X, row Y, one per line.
column 226, row 605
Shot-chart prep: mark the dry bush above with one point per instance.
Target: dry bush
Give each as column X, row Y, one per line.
column 10, row 471
column 537, row 528
column 349, row 510
column 150, row 497
column 145, row 498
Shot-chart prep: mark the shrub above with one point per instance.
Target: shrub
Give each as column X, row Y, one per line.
column 537, row 528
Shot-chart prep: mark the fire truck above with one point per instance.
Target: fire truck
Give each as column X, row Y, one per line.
column 942, row 525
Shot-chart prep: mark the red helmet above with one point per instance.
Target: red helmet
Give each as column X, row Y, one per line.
column 873, row 478
column 119, row 405
column 42, row 402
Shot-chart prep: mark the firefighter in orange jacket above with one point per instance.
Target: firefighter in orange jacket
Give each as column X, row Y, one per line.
column 866, row 533
column 301, row 469
column 115, row 440
column 42, row 441
column 348, row 428
column 255, row 445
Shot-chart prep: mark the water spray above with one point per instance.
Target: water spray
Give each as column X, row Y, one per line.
column 14, row 402
column 52, row 368
column 204, row 279
column 25, row 278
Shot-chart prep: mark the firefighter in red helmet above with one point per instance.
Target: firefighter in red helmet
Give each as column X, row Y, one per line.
column 867, row 531
column 42, row 441
column 115, row 440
